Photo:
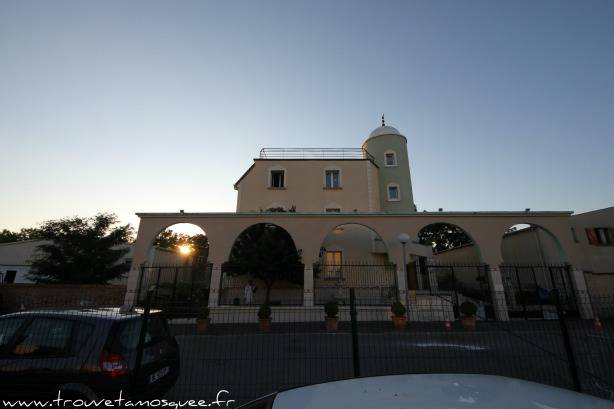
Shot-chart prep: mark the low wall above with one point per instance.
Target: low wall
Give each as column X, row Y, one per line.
column 16, row 297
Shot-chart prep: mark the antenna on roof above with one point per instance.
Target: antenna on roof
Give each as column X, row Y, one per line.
column 383, row 120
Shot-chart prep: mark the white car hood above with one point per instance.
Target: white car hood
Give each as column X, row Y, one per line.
column 435, row 391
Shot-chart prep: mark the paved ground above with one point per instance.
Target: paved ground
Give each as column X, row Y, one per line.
column 248, row 363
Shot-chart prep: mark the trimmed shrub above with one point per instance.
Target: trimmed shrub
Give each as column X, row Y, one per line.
column 398, row 309
column 203, row 314
column 332, row 309
column 468, row 308
column 264, row 312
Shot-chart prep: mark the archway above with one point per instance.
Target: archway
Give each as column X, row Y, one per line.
column 354, row 256
column 534, row 263
column 177, row 271
column 455, row 269
column 263, row 267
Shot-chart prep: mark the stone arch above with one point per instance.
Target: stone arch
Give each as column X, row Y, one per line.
column 186, row 228
column 472, row 253
column 531, row 243
column 354, row 255
column 533, row 263
column 362, row 225
column 244, row 229
column 279, row 284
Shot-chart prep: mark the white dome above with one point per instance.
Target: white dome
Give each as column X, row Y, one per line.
column 384, row 130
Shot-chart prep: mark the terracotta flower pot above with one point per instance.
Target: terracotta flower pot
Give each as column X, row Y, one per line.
column 202, row 326
column 468, row 322
column 399, row 322
column 332, row 324
column 265, row 324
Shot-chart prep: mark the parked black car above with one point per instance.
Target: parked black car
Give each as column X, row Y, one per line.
column 87, row 354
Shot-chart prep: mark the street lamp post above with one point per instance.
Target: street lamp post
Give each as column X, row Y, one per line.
column 404, row 239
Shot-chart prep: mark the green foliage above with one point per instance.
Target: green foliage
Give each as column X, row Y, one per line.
column 81, row 250
column 203, row 314
column 264, row 312
column 265, row 252
column 171, row 240
column 468, row 308
column 7, row 236
column 398, row 309
column 332, row 309
column 445, row 236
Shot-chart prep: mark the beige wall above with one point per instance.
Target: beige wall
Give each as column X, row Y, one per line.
column 526, row 246
column 304, row 180
column 19, row 252
column 596, row 259
column 531, row 246
column 308, row 230
column 461, row 255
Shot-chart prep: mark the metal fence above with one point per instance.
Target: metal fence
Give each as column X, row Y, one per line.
column 178, row 290
column 527, row 288
column 460, row 283
column 236, row 351
column 373, row 284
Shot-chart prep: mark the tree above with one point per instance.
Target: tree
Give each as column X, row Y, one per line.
column 7, row 236
column 81, row 250
column 266, row 252
column 171, row 240
column 444, row 236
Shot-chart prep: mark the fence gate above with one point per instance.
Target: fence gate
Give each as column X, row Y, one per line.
column 528, row 290
column 459, row 282
column 178, row 290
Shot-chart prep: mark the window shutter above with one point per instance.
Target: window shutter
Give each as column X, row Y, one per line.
column 592, row 236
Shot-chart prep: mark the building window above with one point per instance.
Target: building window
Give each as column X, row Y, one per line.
column 9, row 277
column 332, row 179
column 333, row 264
column 277, row 178
column 333, row 210
column 394, row 195
column 600, row 236
column 390, row 158
column 574, row 236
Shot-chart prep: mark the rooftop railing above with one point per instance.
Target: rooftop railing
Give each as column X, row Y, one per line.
column 315, row 153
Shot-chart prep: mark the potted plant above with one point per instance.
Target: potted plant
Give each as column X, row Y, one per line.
column 264, row 318
column 331, row 309
column 468, row 309
column 202, row 320
column 398, row 316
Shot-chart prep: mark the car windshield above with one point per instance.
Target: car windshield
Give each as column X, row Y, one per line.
column 127, row 338
column 8, row 328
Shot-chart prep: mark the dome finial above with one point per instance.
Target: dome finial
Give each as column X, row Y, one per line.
column 383, row 120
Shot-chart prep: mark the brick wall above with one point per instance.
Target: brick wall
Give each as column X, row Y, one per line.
column 15, row 297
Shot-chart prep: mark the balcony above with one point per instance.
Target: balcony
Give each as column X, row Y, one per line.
column 315, row 153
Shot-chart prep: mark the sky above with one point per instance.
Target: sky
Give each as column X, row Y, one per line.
column 147, row 106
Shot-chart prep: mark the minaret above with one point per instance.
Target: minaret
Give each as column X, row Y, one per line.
column 389, row 150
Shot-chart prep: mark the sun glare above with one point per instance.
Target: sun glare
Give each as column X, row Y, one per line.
column 185, row 249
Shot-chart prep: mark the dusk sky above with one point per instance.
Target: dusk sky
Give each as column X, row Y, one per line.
column 147, row 106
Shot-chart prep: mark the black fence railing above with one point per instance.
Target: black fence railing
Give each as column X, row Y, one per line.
column 458, row 283
column 235, row 349
column 527, row 289
column 179, row 290
column 315, row 153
